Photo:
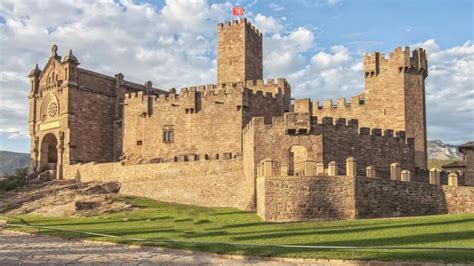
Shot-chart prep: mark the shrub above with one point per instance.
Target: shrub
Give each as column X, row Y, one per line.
column 16, row 180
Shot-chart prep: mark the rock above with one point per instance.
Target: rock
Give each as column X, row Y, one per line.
column 63, row 198
column 111, row 187
column 103, row 188
column 86, row 205
column 437, row 150
column 96, row 189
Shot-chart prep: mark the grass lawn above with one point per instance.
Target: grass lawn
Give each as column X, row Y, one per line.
column 157, row 220
column 439, row 163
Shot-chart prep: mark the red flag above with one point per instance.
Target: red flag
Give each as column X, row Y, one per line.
column 238, row 11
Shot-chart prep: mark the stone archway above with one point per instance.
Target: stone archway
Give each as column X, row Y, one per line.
column 49, row 153
column 297, row 156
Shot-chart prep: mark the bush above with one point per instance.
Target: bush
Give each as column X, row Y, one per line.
column 16, row 180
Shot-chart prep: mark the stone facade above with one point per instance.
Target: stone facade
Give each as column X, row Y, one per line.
column 203, row 145
column 394, row 97
column 216, row 183
column 320, row 195
column 239, row 52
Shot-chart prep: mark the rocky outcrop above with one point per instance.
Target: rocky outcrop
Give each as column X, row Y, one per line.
column 437, row 150
column 63, row 198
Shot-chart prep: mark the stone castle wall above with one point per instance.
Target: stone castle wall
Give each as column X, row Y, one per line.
column 326, row 140
column 211, row 183
column 388, row 198
column 204, row 119
column 341, row 197
column 296, row 198
column 393, row 98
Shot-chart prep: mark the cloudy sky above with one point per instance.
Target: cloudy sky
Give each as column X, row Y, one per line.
column 317, row 45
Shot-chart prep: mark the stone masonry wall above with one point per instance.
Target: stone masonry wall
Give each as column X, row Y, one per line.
column 295, row 198
column 326, row 140
column 393, row 98
column 239, row 52
column 204, row 119
column 211, row 183
column 389, row 198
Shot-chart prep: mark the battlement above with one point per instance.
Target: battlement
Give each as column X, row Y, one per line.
column 342, row 104
column 236, row 93
column 250, row 87
column 237, row 25
column 402, row 60
column 304, row 124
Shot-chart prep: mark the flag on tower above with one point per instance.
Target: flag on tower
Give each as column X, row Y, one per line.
column 237, row 11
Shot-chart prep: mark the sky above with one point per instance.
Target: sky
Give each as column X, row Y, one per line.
column 317, row 45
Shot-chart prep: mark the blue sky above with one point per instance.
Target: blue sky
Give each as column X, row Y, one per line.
column 316, row 45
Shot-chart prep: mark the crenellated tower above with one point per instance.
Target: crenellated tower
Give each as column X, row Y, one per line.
column 395, row 93
column 239, row 52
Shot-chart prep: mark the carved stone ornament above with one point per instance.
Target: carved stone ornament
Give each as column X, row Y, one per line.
column 52, row 109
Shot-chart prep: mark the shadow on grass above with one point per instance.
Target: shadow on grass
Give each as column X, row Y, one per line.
column 364, row 254
column 43, row 222
column 274, row 233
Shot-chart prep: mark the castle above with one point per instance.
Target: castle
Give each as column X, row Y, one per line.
column 212, row 145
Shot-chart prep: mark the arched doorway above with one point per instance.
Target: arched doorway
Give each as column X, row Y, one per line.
column 297, row 156
column 49, row 153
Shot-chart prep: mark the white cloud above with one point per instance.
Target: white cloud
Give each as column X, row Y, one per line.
column 175, row 46
column 450, row 92
column 429, row 45
column 324, row 60
column 276, row 7
column 267, row 24
column 284, row 53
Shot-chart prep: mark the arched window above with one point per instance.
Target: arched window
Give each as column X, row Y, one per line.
column 49, row 107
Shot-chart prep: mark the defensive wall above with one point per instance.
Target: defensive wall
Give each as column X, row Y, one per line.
column 393, row 97
column 197, row 113
column 324, row 140
column 327, row 195
column 205, row 182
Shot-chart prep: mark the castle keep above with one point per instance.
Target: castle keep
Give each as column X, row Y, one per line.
column 240, row 142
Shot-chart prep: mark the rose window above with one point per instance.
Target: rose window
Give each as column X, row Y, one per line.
column 52, row 110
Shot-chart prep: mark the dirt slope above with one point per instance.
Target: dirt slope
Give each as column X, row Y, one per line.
column 63, row 198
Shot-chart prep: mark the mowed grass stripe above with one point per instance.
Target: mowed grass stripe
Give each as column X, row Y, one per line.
column 158, row 220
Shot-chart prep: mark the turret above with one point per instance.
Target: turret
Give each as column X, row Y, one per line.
column 70, row 69
column 34, row 76
column 399, row 60
column 71, row 59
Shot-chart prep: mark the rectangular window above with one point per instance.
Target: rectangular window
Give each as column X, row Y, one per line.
column 139, row 142
column 168, row 136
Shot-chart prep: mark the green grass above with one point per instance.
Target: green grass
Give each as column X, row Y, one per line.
column 439, row 163
column 157, row 220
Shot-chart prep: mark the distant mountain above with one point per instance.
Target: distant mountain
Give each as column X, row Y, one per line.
column 437, row 150
column 10, row 161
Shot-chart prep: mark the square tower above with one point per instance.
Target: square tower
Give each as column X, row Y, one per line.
column 395, row 92
column 239, row 52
